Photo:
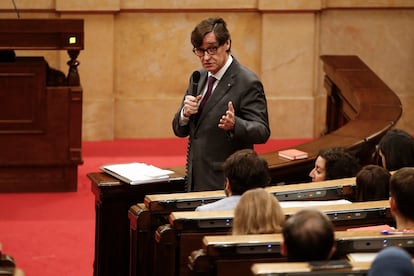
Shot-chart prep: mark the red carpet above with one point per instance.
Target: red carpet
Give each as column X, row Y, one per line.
column 53, row 233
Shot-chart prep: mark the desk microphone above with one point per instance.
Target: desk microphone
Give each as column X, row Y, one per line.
column 195, row 78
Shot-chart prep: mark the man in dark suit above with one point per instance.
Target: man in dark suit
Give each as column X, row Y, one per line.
column 235, row 115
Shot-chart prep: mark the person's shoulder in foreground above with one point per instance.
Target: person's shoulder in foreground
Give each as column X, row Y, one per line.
column 392, row 261
column 227, row 203
column 243, row 170
column 396, row 149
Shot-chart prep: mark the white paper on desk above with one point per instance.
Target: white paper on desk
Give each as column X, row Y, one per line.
column 362, row 256
column 136, row 173
column 288, row 204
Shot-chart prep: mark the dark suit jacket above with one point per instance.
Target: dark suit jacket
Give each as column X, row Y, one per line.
column 209, row 145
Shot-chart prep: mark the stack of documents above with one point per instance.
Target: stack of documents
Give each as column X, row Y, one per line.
column 136, row 173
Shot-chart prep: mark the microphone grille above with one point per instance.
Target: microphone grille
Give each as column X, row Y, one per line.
column 196, row 76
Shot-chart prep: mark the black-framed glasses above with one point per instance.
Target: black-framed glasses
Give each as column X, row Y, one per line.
column 200, row 52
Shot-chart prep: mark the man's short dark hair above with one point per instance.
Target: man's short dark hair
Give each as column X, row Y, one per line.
column 340, row 163
column 245, row 170
column 214, row 24
column 308, row 236
column 402, row 190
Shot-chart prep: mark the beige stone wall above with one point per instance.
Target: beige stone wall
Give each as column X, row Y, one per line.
column 137, row 58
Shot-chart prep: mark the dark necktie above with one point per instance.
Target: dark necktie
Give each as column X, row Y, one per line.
column 210, row 83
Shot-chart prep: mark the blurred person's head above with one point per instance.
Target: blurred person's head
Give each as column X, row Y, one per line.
column 396, row 149
column 372, row 183
column 258, row 212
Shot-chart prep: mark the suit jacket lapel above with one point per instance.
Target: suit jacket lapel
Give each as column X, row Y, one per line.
column 222, row 88
column 202, row 83
column 225, row 84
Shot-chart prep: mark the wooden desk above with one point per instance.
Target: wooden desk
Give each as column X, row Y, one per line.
column 235, row 254
column 41, row 108
column 145, row 221
column 347, row 242
column 112, row 202
column 342, row 215
column 302, row 268
column 184, row 233
column 323, row 190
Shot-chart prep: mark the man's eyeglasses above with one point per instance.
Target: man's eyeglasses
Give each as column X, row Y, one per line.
column 200, row 52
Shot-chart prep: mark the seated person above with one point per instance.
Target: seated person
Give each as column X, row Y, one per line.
column 372, row 183
column 334, row 163
column 258, row 212
column 308, row 235
column 402, row 198
column 396, row 150
column 243, row 170
column 392, row 261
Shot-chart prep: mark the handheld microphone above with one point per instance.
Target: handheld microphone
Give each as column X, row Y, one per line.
column 16, row 9
column 195, row 77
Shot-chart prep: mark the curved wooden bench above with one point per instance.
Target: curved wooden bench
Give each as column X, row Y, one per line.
column 361, row 108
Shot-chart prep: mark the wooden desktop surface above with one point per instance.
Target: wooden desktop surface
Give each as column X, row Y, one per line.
column 269, row 269
column 232, row 240
column 175, row 217
column 224, row 253
column 342, row 188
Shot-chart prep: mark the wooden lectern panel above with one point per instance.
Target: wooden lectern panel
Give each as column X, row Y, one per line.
column 40, row 107
column 22, row 108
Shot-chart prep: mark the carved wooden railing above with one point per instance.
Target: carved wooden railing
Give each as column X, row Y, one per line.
column 361, row 108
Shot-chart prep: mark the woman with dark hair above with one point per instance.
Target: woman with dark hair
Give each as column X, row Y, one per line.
column 372, row 183
column 334, row 163
column 396, row 149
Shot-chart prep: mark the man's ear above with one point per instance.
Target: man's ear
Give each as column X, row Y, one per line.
column 393, row 206
column 333, row 249
column 227, row 188
column 283, row 249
